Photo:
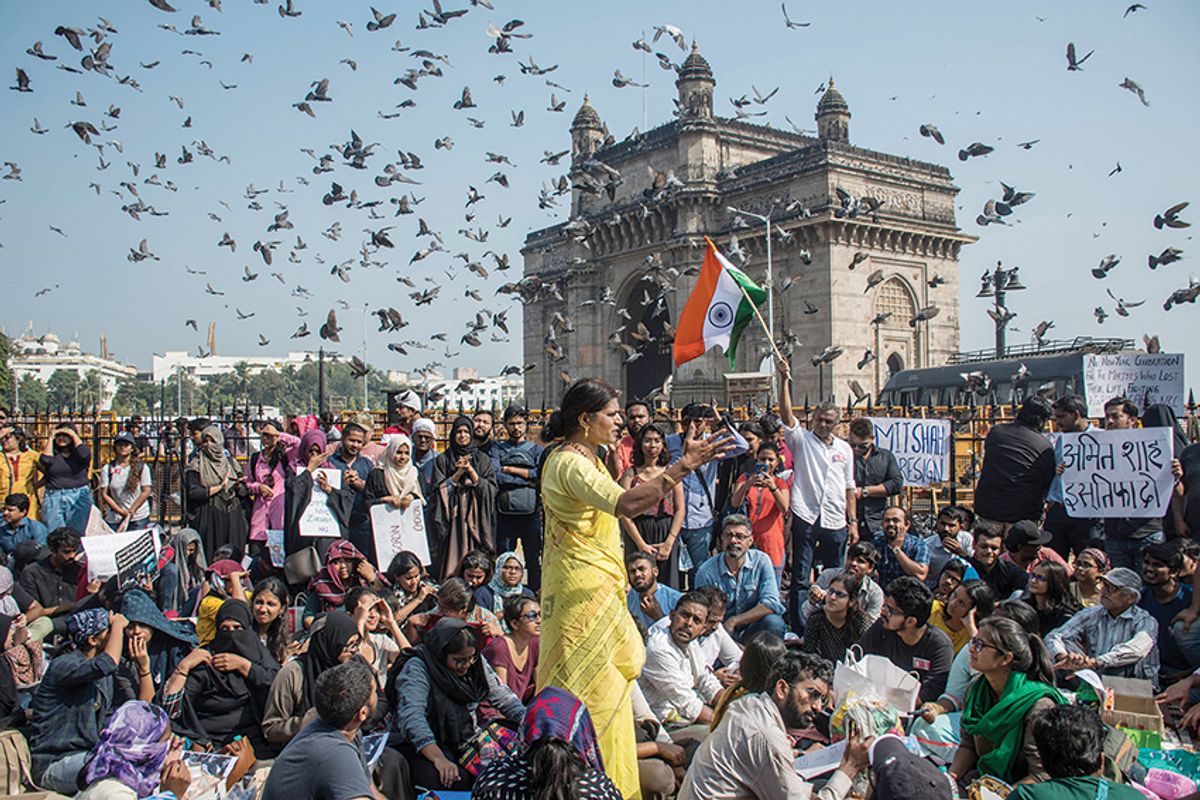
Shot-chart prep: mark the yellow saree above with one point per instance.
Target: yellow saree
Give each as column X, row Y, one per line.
column 590, row 645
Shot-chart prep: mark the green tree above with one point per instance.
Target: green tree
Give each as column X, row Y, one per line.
column 91, row 390
column 6, row 376
column 63, row 387
column 137, row 397
column 32, row 394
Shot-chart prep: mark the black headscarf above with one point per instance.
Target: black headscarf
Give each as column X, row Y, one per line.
column 219, row 705
column 456, row 450
column 9, row 702
column 324, row 651
column 447, row 711
column 1161, row 415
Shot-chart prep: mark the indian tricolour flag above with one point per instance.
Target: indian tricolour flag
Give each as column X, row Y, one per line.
column 717, row 310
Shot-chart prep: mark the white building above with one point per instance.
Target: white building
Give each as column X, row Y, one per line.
column 166, row 366
column 466, row 391
column 42, row 356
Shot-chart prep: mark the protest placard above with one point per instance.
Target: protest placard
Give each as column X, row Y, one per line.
column 131, row 556
column 96, row 526
column 317, row 520
column 1120, row 473
column 921, row 446
column 1145, row 378
column 275, row 546
column 399, row 529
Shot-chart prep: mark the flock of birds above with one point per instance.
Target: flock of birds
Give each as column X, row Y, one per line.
column 391, row 192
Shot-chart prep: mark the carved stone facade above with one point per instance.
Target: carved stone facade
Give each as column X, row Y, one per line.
column 634, row 243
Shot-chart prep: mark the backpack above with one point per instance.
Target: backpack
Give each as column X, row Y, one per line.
column 517, row 500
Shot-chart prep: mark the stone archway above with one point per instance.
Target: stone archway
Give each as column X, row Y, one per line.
column 895, row 337
column 647, row 304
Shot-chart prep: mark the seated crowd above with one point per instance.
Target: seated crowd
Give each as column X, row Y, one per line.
column 252, row 637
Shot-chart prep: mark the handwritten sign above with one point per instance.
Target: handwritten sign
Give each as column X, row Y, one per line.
column 129, row 555
column 1138, row 376
column 921, row 446
column 396, row 530
column 317, row 520
column 1125, row 473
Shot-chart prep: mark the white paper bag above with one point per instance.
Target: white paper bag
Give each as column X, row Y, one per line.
column 875, row 676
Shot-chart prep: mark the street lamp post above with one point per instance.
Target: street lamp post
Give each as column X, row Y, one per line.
column 997, row 284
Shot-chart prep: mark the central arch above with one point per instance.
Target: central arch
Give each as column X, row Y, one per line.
column 647, row 304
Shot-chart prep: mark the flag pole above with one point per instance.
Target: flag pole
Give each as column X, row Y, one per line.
column 757, row 313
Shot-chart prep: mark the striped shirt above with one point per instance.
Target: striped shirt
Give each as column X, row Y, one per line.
column 1124, row 646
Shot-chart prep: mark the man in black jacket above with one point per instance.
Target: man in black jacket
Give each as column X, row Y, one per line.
column 876, row 476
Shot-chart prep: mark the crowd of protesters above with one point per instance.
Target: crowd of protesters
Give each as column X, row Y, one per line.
column 697, row 583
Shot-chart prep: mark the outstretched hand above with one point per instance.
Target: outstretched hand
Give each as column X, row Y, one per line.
column 697, row 451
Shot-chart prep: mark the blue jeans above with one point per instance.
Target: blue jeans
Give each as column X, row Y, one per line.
column 1125, row 552
column 67, row 508
column 61, row 775
column 527, row 529
column 772, row 623
column 811, row 542
column 696, row 542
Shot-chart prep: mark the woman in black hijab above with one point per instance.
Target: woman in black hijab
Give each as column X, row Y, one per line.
column 435, row 689
column 224, row 688
column 464, row 500
column 292, row 698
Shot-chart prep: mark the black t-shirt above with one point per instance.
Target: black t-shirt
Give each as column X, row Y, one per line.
column 320, row 763
column 930, row 658
column 1018, row 467
column 1004, row 579
column 49, row 586
column 23, row 598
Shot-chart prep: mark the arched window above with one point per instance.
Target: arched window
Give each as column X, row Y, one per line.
column 895, row 363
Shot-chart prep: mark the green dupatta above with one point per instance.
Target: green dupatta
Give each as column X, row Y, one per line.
column 1002, row 720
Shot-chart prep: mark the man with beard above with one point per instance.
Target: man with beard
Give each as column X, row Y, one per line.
column 900, row 554
column 648, row 600
column 747, row 579
column 620, row 458
column 679, row 688
column 749, row 755
column 482, row 424
column 355, row 469
column 903, row 635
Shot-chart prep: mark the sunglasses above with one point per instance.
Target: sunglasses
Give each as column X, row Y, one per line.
column 532, row 615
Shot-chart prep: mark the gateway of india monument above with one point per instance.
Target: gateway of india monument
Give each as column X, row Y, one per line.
column 634, row 242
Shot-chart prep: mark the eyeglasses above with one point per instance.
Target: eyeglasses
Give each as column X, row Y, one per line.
column 459, row 662
column 532, row 615
column 1038, row 578
column 976, row 644
column 837, row 594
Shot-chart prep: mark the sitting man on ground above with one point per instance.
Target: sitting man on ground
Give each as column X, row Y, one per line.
column 861, row 559
column 747, row 579
column 718, row 651
column 950, row 541
column 749, row 755
column 903, row 635
column 1004, row 577
column 901, row 554
column 680, row 689
column 17, row 526
column 648, row 600
column 54, row 580
column 1116, row 637
column 1070, row 741
column 1024, row 545
column 325, row 760
column 73, row 702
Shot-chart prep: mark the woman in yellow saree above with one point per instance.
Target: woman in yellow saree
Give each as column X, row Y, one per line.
column 590, row 645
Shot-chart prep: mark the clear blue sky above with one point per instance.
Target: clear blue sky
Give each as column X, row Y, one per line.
column 980, row 72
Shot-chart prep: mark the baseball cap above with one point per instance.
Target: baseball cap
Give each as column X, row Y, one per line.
column 1025, row 531
column 900, row 775
column 125, row 436
column 1123, row 578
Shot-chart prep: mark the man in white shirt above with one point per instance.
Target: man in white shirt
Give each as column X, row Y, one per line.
column 749, row 755
column 824, row 508
column 718, row 650
column 680, row 689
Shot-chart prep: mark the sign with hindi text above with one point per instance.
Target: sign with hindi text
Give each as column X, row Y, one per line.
column 1144, row 378
column 921, row 446
column 1123, row 473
